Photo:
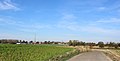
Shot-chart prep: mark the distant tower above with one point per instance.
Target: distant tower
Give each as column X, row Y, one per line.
column 35, row 38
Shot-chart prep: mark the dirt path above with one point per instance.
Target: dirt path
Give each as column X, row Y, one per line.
column 91, row 56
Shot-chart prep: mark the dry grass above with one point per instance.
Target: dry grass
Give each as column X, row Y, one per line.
column 116, row 51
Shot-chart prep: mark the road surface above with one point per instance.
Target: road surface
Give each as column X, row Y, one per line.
column 91, row 56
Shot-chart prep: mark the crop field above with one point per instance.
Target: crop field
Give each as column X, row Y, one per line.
column 9, row 52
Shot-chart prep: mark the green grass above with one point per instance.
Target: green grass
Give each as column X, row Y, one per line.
column 10, row 52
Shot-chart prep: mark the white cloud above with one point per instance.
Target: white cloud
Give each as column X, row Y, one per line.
column 72, row 25
column 111, row 20
column 8, row 5
column 88, row 28
column 33, row 27
column 18, row 36
column 9, row 36
column 68, row 17
column 100, row 30
column 9, row 21
column 101, row 8
column 22, row 26
column 68, row 21
column 80, row 27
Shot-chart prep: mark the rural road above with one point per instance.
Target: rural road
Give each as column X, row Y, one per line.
column 91, row 56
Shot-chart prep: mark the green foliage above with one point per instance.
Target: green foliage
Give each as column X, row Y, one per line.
column 116, row 46
column 113, row 44
column 101, row 44
column 70, row 43
column 76, row 43
column 73, row 43
column 10, row 52
column 65, row 56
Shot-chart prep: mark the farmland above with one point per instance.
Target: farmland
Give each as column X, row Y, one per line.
column 12, row 52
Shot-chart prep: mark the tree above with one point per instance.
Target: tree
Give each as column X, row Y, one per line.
column 101, row 44
column 37, row 42
column 91, row 44
column 75, row 42
column 20, row 41
column 119, row 44
column 116, row 45
column 0, row 41
column 49, row 42
column 45, row 42
column 81, row 43
column 26, row 42
column 31, row 42
column 23, row 41
column 8, row 41
column 52, row 42
column 70, row 43
column 111, row 44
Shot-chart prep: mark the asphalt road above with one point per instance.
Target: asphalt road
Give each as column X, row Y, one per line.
column 91, row 56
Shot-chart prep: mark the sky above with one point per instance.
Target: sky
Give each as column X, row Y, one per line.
column 60, row 20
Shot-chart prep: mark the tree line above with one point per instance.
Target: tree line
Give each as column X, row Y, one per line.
column 12, row 41
column 70, row 43
column 91, row 44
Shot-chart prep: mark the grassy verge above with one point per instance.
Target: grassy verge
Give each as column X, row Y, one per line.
column 113, row 54
column 65, row 56
column 70, row 54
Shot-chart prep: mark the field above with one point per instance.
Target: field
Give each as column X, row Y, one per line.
column 116, row 51
column 10, row 52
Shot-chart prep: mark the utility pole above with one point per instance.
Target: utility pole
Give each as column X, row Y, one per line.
column 35, row 38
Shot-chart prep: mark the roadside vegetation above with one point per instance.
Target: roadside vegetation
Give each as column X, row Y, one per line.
column 114, row 54
column 111, row 49
column 100, row 44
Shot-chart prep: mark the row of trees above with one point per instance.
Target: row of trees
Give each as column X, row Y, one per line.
column 109, row 44
column 100, row 44
column 70, row 43
column 46, row 42
column 12, row 41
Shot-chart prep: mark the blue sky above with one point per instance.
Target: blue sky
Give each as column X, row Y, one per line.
column 60, row 20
